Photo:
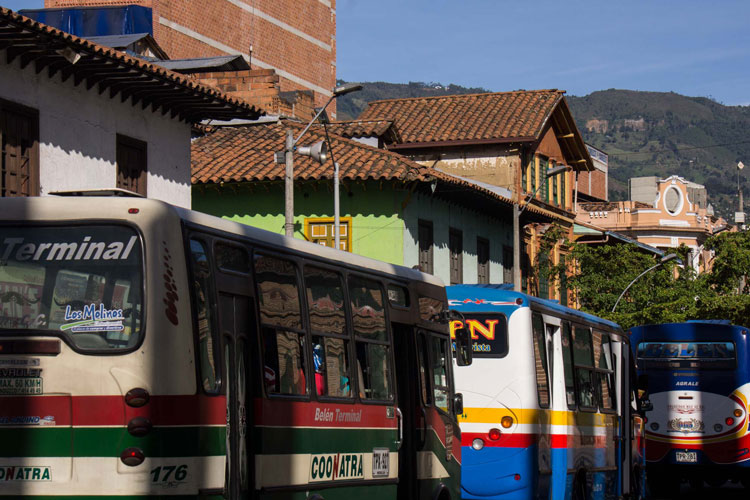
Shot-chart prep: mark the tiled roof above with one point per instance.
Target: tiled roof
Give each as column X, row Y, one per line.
column 110, row 70
column 237, row 154
column 491, row 117
column 365, row 128
column 246, row 154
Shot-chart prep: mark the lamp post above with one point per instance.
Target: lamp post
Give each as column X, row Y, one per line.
column 517, row 211
column 318, row 151
column 664, row 260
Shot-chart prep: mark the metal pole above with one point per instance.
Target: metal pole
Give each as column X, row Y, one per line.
column 516, row 248
column 289, row 185
column 336, row 218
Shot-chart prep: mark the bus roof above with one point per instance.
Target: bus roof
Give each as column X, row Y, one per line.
column 694, row 330
column 495, row 297
column 78, row 208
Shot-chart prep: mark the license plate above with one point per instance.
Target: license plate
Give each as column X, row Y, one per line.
column 687, row 456
column 381, row 462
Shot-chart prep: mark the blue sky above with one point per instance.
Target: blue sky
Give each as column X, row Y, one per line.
column 692, row 47
column 696, row 48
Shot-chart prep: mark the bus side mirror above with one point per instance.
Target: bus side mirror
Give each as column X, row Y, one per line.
column 458, row 403
column 644, row 403
column 464, row 352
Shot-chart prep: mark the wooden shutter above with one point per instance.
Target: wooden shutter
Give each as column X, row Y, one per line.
column 456, row 245
column 131, row 164
column 426, row 244
column 483, row 260
column 19, row 157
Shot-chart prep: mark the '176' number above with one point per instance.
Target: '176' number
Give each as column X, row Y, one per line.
column 163, row 474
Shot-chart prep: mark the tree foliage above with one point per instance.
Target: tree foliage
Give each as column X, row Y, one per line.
column 669, row 293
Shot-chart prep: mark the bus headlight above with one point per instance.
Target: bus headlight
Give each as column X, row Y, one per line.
column 738, row 413
column 654, row 426
column 718, row 427
column 477, row 444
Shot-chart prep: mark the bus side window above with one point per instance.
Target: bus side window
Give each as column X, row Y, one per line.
column 540, row 360
column 330, row 341
column 583, row 357
column 204, row 317
column 605, row 369
column 283, row 338
column 422, row 359
column 438, row 357
column 570, row 386
column 372, row 339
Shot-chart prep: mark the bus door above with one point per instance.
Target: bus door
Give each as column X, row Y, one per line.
column 542, row 337
column 410, row 409
column 235, row 324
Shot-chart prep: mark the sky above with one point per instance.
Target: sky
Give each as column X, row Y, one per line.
column 692, row 47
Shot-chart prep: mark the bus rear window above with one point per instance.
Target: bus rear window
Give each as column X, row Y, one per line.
column 489, row 334
column 82, row 283
column 687, row 354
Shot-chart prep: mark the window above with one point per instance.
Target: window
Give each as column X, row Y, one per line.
column 605, row 369
column 534, row 173
column 563, row 177
column 544, row 186
column 19, row 157
column 80, row 282
column 507, row 264
column 321, row 231
column 131, row 164
column 371, row 338
column 204, row 316
column 423, row 374
column 426, row 243
column 540, row 361
column 525, row 176
column 330, row 341
column 456, row 245
column 281, row 324
column 543, row 278
column 554, row 187
column 232, row 258
column 483, row 260
column 570, row 386
column 439, row 359
column 583, row 358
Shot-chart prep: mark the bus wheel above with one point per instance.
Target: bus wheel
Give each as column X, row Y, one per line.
column 716, row 482
column 579, row 486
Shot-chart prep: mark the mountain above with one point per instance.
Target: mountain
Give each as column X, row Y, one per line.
column 644, row 133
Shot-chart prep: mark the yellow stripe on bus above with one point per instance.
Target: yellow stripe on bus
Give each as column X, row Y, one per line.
column 533, row 416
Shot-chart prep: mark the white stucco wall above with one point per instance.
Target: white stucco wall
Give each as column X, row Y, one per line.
column 77, row 135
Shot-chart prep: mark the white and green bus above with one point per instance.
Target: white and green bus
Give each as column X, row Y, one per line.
column 153, row 351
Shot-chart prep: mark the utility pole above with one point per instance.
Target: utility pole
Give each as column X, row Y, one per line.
column 289, row 184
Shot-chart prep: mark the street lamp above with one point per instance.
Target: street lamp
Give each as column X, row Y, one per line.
column 517, row 211
column 664, row 260
column 317, row 151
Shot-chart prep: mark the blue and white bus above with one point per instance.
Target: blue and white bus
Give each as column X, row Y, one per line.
column 699, row 382
column 549, row 400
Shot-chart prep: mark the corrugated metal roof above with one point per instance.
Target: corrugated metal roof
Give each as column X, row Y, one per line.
column 203, row 64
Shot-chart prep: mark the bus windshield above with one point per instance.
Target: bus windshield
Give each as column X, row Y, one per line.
column 687, row 354
column 82, row 283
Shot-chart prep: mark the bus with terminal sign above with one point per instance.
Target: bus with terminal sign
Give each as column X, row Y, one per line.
column 699, row 383
column 550, row 406
column 149, row 351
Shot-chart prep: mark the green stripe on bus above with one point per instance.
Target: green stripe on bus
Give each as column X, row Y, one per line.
column 111, row 441
column 282, row 440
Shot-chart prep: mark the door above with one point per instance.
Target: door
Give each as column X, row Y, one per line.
column 541, row 335
column 234, row 314
column 412, row 417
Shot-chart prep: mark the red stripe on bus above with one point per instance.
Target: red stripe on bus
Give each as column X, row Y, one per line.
column 280, row 413
column 521, row 440
column 112, row 410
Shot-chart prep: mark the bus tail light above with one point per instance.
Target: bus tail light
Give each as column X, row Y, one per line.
column 132, row 457
column 137, row 397
column 738, row 413
column 139, row 426
column 729, row 421
column 517, row 477
column 506, row 422
column 495, row 434
column 477, row 444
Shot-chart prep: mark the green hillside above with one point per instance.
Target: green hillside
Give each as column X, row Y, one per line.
column 645, row 133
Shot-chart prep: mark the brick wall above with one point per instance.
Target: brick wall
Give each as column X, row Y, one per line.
column 260, row 87
column 295, row 37
column 594, row 184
